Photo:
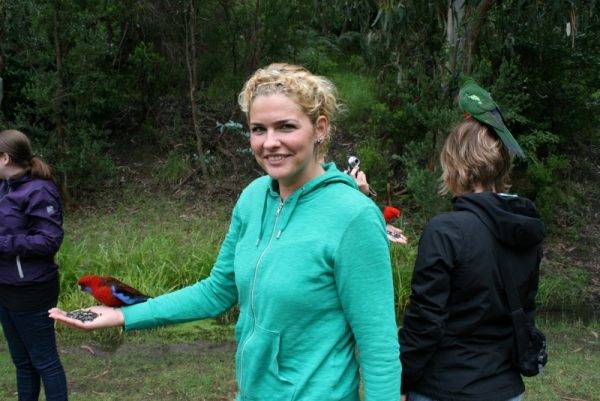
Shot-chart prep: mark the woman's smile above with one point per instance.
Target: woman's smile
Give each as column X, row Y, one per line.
column 276, row 159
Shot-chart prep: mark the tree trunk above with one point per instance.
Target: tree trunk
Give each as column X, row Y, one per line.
column 454, row 20
column 433, row 155
column 190, row 59
column 233, row 32
column 472, row 33
column 255, row 39
column 58, row 103
column 463, row 26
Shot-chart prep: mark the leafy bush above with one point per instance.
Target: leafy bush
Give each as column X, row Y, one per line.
column 357, row 93
column 375, row 161
column 317, row 58
column 85, row 163
column 546, row 180
column 422, row 183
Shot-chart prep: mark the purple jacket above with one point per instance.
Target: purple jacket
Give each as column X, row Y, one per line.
column 30, row 230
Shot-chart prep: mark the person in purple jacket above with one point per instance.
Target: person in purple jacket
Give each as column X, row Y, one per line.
column 30, row 235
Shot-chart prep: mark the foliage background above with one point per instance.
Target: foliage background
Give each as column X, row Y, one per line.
column 139, row 97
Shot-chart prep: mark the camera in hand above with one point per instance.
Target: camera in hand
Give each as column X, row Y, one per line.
column 352, row 162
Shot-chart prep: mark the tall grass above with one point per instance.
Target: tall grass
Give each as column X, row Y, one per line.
column 158, row 245
column 358, row 95
column 155, row 246
column 403, row 260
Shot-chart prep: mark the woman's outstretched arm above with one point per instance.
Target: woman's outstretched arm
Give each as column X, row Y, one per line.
column 207, row 298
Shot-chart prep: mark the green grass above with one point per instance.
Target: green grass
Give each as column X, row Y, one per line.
column 564, row 290
column 357, row 93
column 145, row 366
column 155, row 246
column 195, row 361
column 573, row 370
column 158, row 245
column 403, row 259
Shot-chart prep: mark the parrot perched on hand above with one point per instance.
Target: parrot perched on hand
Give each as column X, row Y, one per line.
column 478, row 103
column 390, row 214
column 109, row 291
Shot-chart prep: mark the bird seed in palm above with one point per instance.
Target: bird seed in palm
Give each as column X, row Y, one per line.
column 82, row 315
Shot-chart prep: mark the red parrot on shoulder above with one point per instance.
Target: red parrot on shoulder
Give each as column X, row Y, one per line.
column 109, row 291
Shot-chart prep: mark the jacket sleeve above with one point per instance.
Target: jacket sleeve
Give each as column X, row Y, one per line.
column 44, row 227
column 363, row 277
column 425, row 318
column 207, row 298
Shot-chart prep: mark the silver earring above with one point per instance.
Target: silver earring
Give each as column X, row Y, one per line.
column 319, row 141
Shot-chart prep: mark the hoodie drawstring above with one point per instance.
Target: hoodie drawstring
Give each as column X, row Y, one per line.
column 331, row 176
column 292, row 205
column 292, row 202
column 263, row 217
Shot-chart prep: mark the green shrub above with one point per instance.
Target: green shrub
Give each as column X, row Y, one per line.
column 357, row 93
column 547, row 181
column 422, row 184
column 375, row 161
column 316, row 59
column 86, row 163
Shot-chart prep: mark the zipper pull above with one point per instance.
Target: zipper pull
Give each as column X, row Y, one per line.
column 279, row 208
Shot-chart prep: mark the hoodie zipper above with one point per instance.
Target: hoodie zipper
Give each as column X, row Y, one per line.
column 19, row 267
column 256, row 267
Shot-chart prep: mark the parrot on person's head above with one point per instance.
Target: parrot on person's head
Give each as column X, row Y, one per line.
column 109, row 291
column 476, row 102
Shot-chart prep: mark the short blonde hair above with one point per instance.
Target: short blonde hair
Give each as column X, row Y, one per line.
column 473, row 156
column 316, row 95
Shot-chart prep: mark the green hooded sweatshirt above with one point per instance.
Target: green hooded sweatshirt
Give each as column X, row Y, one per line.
column 312, row 276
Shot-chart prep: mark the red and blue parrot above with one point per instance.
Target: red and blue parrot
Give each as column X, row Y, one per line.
column 109, row 291
column 390, row 214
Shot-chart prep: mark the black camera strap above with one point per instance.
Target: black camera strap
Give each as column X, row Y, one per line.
column 514, row 302
column 530, row 343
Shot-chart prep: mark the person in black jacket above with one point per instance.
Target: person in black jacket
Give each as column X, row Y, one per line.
column 457, row 337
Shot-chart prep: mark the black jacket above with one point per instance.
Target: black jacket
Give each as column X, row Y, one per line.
column 457, row 338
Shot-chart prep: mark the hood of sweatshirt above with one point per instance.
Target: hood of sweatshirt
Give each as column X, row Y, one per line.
column 331, row 176
column 513, row 220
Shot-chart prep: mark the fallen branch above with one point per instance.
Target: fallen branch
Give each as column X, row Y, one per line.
column 88, row 349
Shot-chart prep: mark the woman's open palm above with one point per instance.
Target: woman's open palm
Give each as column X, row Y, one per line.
column 107, row 317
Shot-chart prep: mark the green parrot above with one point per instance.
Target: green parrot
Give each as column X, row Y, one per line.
column 478, row 103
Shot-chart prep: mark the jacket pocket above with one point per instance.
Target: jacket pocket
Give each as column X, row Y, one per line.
column 20, row 267
column 260, row 378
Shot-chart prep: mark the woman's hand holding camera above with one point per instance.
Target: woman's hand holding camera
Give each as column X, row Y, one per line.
column 361, row 180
